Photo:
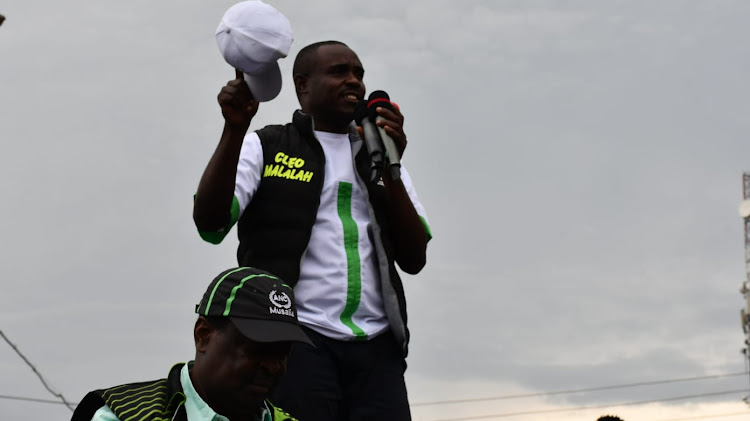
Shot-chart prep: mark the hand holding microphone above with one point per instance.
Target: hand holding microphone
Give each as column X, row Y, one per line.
column 382, row 129
column 372, row 139
column 390, row 127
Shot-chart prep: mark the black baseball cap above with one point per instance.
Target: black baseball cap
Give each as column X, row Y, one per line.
column 258, row 303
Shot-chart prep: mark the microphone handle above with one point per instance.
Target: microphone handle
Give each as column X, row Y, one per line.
column 374, row 147
column 391, row 153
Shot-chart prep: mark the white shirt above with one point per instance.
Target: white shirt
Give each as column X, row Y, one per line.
column 338, row 291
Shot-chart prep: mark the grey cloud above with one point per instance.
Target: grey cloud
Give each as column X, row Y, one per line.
column 580, row 163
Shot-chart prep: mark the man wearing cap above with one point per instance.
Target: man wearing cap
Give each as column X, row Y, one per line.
column 245, row 329
column 307, row 211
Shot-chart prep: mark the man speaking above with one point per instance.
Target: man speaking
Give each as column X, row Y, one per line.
column 308, row 211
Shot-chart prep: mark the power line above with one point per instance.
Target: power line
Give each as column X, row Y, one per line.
column 58, row 395
column 703, row 417
column 579, row 408
column 570, row 391
column 36, row 400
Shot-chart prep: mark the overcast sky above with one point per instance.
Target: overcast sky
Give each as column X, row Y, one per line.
column 580, row 163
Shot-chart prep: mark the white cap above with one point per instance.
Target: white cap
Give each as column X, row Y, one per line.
column 252, row 36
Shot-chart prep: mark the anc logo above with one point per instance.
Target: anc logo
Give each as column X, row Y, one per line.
column 280, row 300
column 282, row 303
column 288, row 167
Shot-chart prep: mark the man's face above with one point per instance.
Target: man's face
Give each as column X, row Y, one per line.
column 335, row 84
column 234, row 374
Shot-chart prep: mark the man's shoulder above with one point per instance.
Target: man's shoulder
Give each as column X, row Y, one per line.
column 273, row 131
column 301, row 124
column 117, row 398
column 129, row 397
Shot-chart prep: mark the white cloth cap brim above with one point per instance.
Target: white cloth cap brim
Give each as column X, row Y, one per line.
column 265, row 85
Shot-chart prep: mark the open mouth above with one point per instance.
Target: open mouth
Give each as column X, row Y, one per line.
column 351, row 97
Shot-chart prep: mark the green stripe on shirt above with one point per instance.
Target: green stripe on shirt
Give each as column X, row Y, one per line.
column 354, row 270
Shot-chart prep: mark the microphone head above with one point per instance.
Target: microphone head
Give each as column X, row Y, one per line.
column 378, row 94
column 360, row 112
column 378, row 99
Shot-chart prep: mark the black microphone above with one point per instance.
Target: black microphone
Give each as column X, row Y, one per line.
column 381, row 99
column 371, row 138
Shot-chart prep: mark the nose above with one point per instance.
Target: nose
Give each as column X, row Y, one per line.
column 353, row 81
column 274, row 365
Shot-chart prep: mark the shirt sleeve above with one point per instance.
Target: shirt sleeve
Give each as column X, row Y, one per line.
column 246, row 182
column 412, row 192
column 104, row 414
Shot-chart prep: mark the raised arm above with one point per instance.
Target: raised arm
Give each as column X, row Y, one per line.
column 407, row 230
column 213, row 200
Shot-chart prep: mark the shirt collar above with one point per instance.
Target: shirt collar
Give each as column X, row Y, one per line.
column 198, row 410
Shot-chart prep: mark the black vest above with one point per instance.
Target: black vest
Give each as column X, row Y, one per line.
column 274, row 230
column 275, row 227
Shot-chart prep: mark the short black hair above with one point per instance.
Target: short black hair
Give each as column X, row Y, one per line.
column 305, row 60
column 609, row 418
column 217, row 322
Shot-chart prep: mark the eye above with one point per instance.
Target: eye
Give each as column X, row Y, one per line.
column 338, row 70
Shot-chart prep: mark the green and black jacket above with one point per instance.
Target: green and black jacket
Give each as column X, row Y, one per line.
column 157, row 400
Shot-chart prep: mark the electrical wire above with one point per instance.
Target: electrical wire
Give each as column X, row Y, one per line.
column 34, row 369
column 579, row 408
column 703, row 417
column 36, row 400
column 570, row 391
column 57, row 402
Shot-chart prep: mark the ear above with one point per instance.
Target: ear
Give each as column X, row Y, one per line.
column 202, row 334
column 300, row 84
